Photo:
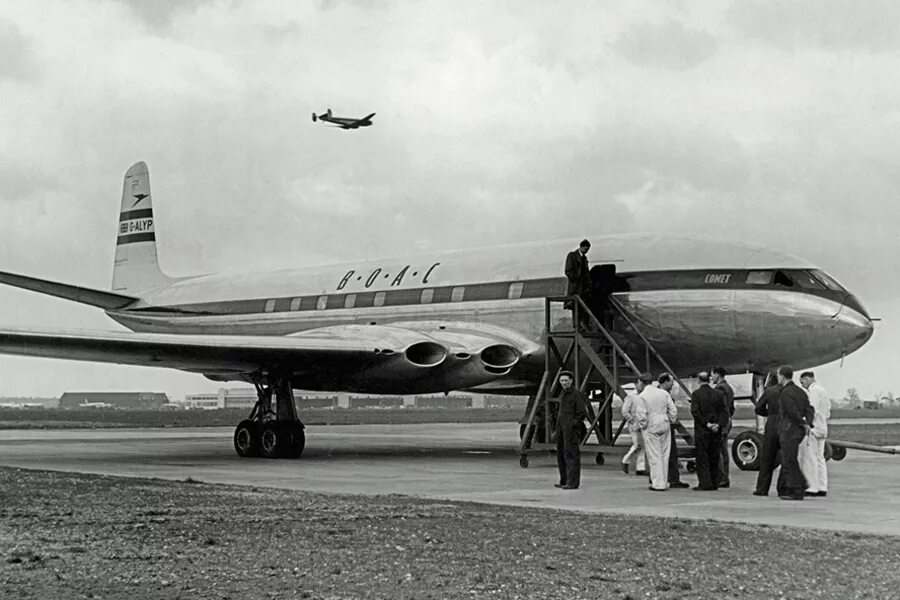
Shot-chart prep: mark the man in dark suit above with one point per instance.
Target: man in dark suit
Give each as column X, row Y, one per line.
column 569, row 426
column 793, row 425
column 768, row 406
column 723, row 387
column 710, row 418
column 578, row 275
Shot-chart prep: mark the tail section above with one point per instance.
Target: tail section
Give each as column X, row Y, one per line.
column 137, row 266
column 328, row 113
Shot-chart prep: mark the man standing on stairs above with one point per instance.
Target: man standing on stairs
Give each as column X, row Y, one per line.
column 578, row 276
column 724, row 388
column 570, row 416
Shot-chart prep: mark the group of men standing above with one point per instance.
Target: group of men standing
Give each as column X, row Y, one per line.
column 651, row 416
column 795, row 432
column 794, row 435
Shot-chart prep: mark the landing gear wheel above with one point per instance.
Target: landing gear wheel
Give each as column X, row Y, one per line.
column 746, row 450
column 691, row 466
column 600, row 460
column 295, row 440
column 838, row 452
column 272, row 438
column 523, row 461
column 246, row 439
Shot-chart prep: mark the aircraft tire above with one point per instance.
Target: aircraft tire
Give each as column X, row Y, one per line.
column 271, row 440
column 746, row 450
column 838, row 452
column 294, row 440
column 246, row 439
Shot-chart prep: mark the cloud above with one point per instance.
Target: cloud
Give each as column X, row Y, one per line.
column 825, row 24
column 17, row 58
column 668, row 45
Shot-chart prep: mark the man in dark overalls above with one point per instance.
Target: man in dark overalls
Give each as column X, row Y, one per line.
column 768, row 406
column 569, row 420
column 792, row 428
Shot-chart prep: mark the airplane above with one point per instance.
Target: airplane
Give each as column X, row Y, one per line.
column 461, row 320
column 344, row 122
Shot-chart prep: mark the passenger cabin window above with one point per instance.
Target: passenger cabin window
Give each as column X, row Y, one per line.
column 427, row 296
column 270, row 305
column 295, row 303
column 379, row 299
column 781, row 278
column 321, row 302
column 457, row 293
column 759, row 277
column 350, row 301
column 515, row 290
column 807, row 281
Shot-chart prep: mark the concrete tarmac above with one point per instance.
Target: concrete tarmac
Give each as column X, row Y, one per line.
column 468, row 462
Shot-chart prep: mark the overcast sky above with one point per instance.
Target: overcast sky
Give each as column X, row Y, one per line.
column 765, row 122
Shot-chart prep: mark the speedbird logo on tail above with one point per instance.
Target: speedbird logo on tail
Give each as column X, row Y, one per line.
column 139, row 198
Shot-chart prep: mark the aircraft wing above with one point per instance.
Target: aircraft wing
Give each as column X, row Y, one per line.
column 354, row 124
column 328, row 356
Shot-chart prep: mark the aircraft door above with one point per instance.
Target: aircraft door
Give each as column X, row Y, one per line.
column 604, row 282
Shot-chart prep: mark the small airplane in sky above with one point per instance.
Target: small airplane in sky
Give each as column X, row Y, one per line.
column 344, row 122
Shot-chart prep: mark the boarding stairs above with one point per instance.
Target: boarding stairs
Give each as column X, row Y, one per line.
column 601, row 367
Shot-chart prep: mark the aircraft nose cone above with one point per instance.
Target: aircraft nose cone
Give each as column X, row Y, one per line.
column 853, row 328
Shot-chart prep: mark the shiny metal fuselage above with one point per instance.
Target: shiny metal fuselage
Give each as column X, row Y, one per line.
column 693, row 327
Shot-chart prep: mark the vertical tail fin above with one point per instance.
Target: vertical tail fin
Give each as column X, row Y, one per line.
column 136, row 267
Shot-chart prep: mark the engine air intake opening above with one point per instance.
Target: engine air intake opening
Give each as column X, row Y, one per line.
column 500, row 356
column 426, row 354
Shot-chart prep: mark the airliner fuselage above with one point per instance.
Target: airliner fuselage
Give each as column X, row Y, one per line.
column 701, row 303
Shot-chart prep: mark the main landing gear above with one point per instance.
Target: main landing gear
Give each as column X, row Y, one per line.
column 271, row 432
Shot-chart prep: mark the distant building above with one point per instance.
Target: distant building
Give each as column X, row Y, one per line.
column 506, row 402
column 132, row 400
column 871, row 404
column 442, row 401
column 246, row 398
column 376, row 401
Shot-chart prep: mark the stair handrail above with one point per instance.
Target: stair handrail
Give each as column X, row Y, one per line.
column 624, row 313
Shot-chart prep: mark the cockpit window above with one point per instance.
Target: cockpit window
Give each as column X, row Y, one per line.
column 806, row 281
column 759, row 277
column 782, row 278
column 828, row 280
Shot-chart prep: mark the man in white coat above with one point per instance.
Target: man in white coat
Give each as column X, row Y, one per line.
column 655, row 416
column 636, row 452
column 812, row 449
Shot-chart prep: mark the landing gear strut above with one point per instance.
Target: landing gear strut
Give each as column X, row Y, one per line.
column 271, row 432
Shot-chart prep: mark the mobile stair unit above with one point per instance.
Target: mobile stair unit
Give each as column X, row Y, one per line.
column 600, row 366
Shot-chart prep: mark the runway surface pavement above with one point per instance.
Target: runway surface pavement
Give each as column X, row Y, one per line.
column 468, row 462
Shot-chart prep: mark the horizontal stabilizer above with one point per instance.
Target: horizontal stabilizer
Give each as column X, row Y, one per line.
column 105, row 300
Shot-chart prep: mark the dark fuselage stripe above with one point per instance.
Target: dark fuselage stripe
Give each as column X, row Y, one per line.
column 645, row 281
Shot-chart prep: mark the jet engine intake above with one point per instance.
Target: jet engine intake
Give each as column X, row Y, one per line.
column 426, row 354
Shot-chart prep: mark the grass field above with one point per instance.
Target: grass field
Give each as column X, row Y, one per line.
column 867, row 433
column 68, row 535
